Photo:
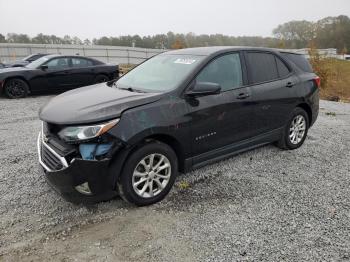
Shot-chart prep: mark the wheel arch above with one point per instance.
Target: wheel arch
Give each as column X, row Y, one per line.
column 16, row 77
column 101, row 74
column 307, row 109
column 169, row 140
column 173, row 143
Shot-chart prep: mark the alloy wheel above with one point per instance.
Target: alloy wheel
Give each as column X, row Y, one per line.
column 297, row 129
column 16, row 88
column 151, row 175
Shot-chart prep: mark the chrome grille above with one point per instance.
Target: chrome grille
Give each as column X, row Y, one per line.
column 48, row 158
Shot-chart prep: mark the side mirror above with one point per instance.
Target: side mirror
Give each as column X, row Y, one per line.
column 44, row 67
column 204, row 89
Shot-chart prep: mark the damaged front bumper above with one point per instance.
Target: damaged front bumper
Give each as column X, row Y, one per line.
column 78, row 181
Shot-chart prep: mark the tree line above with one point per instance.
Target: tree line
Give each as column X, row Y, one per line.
column 161, row 41
column 329, row 32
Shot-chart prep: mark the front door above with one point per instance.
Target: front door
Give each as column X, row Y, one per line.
column 58, row 74
column 218, row 121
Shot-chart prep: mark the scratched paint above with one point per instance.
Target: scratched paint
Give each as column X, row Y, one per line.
column 221, row 116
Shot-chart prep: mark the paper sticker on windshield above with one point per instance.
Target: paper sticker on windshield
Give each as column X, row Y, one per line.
column 185, row 61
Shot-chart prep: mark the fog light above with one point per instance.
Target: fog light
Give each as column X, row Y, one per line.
column 84, row 189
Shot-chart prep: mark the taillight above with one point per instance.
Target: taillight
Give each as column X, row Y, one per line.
column 317, row 81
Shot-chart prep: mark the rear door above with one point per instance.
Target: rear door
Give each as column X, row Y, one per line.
column 273, row 95
column 220, row 120
column 82, row 71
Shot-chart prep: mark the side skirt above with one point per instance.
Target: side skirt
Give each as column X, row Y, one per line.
column 232, row 149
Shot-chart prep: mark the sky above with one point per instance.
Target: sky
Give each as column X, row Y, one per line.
column 97, row 18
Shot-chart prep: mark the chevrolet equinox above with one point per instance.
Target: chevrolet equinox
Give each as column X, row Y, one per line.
column 173, row 113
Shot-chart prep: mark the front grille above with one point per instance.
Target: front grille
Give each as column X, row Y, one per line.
column 50, row 160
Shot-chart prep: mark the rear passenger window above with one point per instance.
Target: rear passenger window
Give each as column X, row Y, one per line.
column 283, row 70
column 262, row 67
column 81, row 62
column 225, row 71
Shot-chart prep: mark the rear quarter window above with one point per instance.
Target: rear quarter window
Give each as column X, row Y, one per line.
column 299, row 60
column 283, row 70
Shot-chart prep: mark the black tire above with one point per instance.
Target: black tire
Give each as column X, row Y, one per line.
column 16, row 88
column 286, row 141
column 125, row 182
column 101, row 79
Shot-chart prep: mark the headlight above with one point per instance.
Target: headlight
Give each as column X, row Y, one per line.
column 79, row 133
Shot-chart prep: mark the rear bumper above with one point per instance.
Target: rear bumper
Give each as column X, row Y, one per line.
column 96, row 173
column 314, row 102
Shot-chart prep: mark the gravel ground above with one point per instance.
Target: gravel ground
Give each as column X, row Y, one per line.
column 266, row 204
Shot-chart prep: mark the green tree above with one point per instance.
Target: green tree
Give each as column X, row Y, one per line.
column 18, row 38
column 299, row 33
column 76, row 41
column 87, row 42
column 2, row 39
column 333, row 32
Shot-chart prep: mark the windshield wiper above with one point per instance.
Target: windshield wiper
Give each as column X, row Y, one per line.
column 131, row 89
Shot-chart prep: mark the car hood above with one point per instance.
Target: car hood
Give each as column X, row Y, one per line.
column 22, row 64
column 13, row 69
column 19, row 62
column 92, row 104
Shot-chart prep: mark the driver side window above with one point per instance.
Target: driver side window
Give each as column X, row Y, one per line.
column 225, row 71
column 58, row 63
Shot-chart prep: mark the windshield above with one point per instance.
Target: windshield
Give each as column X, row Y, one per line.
column 160, row 73
column 27, row 57
column 35, row 64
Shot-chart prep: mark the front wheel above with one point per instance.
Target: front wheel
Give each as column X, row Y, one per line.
column 16, row 88
column 295, row 131
column 148, row 174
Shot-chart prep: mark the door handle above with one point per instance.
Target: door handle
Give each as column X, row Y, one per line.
column 290, row 84
column 242, row 96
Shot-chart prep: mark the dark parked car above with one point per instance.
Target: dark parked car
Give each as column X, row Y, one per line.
column 25, row 61
column 54, row 73
column 175, row 112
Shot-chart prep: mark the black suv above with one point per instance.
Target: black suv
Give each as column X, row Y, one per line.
column 175, row 112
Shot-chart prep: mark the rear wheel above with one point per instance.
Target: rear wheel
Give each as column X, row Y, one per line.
column 148, row 174
column 295, row 132
column 101, row 79
column 16, row 88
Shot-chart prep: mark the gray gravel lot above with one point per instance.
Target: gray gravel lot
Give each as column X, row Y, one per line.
column 266, row 204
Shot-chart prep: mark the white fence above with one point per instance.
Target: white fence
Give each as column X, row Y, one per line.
column 108, row 54
column 330, row 52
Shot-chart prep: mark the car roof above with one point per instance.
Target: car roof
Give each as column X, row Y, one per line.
column 211, row 50
column 57, row 55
